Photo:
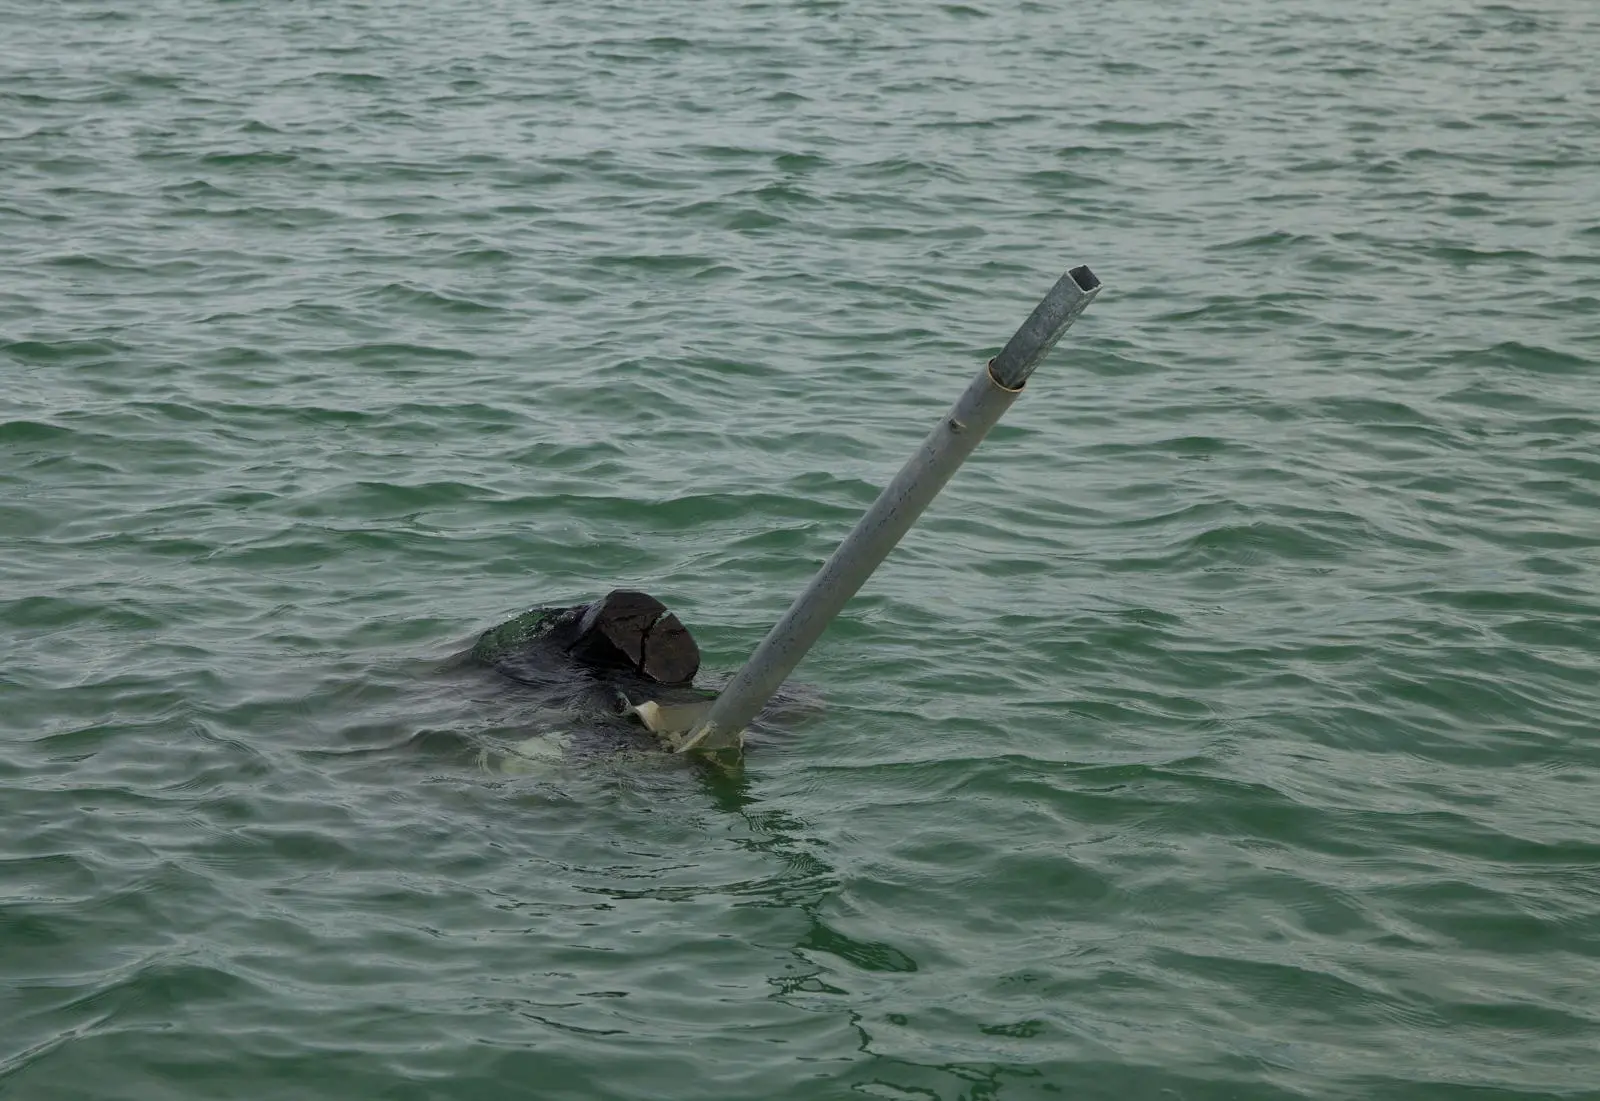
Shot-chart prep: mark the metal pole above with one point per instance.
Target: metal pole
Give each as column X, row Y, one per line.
column 893, row 513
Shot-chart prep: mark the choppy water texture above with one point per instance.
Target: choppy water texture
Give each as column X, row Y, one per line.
column 1227, row 730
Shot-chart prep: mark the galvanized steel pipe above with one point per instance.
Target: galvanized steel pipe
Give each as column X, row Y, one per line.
column 961, row 430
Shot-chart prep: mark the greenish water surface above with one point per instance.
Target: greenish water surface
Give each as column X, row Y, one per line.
column 1228, row 729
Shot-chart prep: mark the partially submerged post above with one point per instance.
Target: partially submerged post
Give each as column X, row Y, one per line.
column 893, row 513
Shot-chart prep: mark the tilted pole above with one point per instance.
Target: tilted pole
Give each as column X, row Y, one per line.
column 892, row 514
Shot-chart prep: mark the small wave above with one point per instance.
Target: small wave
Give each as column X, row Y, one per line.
column 1530, row 357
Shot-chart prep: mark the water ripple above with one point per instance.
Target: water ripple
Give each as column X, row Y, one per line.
column 1226, row 728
